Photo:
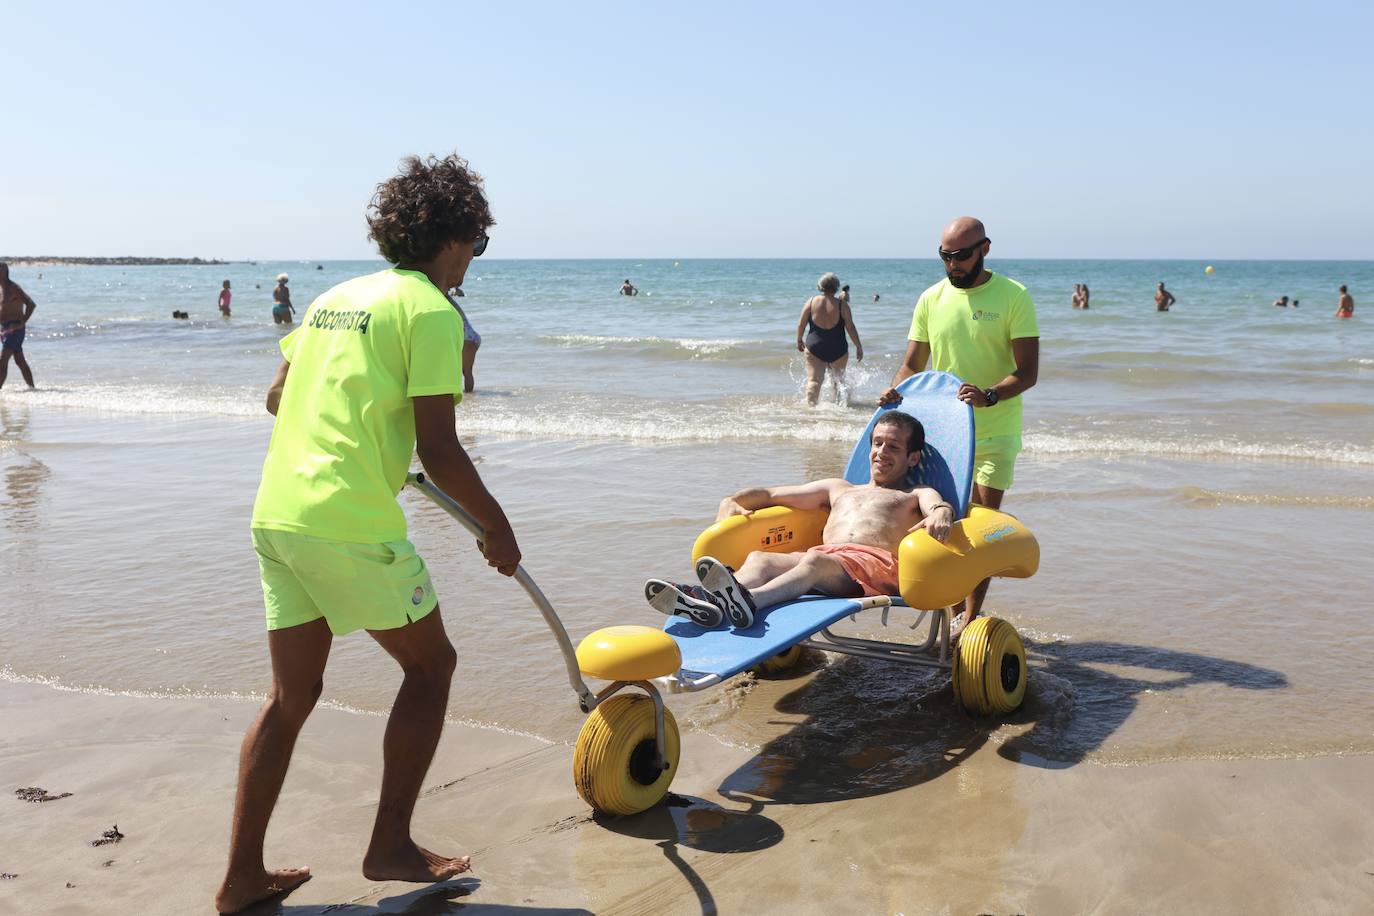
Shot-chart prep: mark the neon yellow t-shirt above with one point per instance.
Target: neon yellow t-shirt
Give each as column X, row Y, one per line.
column 970, row 333
column 345, row 429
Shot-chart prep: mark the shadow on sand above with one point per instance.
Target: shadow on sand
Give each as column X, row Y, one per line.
column 875, row 727
column 442, row 899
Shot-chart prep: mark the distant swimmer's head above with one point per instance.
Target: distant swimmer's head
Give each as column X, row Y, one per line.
column 963, row 246
column 282, row 278
column 1161, row 284
column 895, row 447
column 434, row 213
column 7, row 271
column 828, row 284
column 226, row 284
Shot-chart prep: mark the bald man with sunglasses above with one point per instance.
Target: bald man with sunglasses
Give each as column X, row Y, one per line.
column 981, row 327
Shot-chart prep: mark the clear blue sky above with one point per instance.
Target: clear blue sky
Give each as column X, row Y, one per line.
column 259, row 130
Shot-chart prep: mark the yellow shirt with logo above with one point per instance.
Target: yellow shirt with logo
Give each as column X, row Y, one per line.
column 345, row 429
column 970, row 333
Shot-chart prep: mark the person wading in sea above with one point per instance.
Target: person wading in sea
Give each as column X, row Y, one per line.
column 16, row 308
column 825, row 319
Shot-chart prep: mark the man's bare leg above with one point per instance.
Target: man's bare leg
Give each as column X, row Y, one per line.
column 299, row 655
column 773, row 578
column 424, row 652
column 24, row 369
column 4, row 366
column 992, row 499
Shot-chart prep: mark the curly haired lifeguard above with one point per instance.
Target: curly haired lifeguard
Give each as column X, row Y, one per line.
column 431, row 203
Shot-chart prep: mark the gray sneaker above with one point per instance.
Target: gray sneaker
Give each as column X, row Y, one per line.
column 719, row 581
column 690, row 601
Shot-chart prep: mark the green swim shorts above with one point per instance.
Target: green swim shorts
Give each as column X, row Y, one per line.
column 994, row 459
column 352, row 586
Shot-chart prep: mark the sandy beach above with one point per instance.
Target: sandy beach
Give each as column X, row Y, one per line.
column 955, row 828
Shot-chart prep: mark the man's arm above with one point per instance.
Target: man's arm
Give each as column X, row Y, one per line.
column 274, row 390
column 1026, row 352
column 814, row 495
column 448, row 465
column 29, row 305
column 937, row 515
column 917, row 354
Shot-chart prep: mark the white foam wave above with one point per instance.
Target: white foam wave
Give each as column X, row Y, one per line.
column 1328, row 453
column 153, row 399
column 1360, row 362
column 697, row 346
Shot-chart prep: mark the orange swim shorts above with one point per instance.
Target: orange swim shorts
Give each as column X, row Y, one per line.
column 874, row 569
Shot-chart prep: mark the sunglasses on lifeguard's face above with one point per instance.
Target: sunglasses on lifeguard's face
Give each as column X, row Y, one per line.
column 963, row 254
column 480, row 246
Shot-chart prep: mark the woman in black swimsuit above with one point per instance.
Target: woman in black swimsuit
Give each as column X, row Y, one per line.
column 825, row 320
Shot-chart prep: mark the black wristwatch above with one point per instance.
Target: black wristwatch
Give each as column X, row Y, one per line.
column 991, row 396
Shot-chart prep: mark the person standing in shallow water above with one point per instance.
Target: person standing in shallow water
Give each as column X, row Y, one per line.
column 1164, row 298
column 368, row 379
column 1345, row 308
column 226, row 296
column 16, row 308
column 825, row 319
column 282, row 311
column 981, row 327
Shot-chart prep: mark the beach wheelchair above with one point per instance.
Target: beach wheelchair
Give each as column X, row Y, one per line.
column 627, row 752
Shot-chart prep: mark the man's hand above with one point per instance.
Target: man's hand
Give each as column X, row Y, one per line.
column 729, row 507
column 889, row 397
column 972, row 394
column 859, row 353
column 500, row 549
column 801, row 347
column 937, row 523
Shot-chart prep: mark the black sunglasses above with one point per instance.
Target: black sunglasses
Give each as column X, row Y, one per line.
column 963, row 254
column 480, row 246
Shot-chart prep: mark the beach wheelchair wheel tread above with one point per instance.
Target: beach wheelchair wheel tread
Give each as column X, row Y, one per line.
column 779, row 664
column 613, row 761
column 989, row 667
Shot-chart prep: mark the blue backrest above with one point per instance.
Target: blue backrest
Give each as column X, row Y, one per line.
column 947, row 462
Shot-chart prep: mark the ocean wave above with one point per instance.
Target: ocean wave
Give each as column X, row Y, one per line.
column 1199, row 496
column 1185, row 447
column 694, row 348
column 158, row 400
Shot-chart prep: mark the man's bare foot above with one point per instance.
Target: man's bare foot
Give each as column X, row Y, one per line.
column 239, row 894
column 412, row 863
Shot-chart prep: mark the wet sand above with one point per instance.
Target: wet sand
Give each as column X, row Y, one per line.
column 954, row 824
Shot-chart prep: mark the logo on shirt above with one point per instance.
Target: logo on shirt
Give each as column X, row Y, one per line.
column 332, row 320
column 981, row 315
column 418, row 595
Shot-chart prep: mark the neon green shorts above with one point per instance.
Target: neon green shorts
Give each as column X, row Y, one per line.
column 352, row 586
column 994, row 459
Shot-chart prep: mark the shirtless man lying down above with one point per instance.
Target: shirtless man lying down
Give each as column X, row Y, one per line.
column 858, row 553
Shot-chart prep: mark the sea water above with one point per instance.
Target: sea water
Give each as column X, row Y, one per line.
column 1200, row 482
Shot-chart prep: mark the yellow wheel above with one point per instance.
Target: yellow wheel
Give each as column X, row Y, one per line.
column 780, row 663
column 613, row 763
column 989, row 667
